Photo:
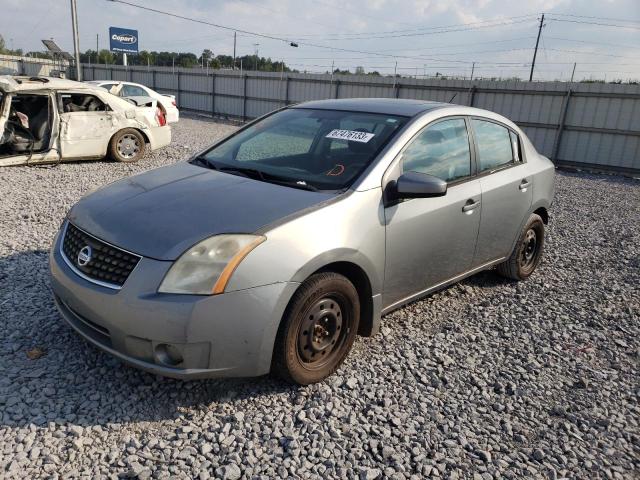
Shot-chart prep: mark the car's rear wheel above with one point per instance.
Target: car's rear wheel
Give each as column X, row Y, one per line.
column 318, row 329
column 527, row 254
column 127, row 146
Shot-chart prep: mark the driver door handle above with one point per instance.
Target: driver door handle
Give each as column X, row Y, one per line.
column 470, row 206
column 524, row 185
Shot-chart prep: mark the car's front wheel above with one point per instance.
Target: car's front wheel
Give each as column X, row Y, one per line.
column 527, row 254
column 127, row 146
column 318, row 329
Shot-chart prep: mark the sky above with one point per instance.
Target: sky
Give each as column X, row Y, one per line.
column 412, row 37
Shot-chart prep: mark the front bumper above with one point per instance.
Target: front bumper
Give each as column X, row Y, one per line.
column 221, row 335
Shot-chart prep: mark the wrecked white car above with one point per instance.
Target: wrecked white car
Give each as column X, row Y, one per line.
column 45, row 120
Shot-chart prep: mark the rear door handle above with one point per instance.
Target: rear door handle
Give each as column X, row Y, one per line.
column 470, row 206
column 524, row 185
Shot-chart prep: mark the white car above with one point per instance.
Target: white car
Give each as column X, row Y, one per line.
column 136, row 90
column 45, row 120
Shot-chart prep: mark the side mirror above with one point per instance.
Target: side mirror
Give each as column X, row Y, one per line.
column 419, row 185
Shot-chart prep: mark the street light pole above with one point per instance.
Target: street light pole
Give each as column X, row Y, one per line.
column 76, row 42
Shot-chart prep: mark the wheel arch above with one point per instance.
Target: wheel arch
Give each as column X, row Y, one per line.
column 361, row 272
column 543, row 213
column 359, row 278
column 139, row 130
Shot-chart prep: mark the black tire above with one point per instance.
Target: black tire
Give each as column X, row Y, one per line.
column 318, row 329
column 527, row 254
column 127, row 146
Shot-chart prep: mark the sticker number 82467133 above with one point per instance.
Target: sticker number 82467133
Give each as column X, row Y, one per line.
column 350, row 135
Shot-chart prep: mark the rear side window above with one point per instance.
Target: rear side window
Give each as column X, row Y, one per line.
column 80, row 102
column 441, row 150
column 132, row 91
column 494, row 145
column 107, row 86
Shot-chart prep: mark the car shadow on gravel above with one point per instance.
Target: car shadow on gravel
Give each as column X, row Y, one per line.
column 49, row 374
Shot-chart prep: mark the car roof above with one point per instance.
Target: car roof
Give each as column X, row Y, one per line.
column 16, row 83
column 385, row 106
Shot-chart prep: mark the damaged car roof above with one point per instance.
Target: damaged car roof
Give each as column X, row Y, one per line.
column 11, row 83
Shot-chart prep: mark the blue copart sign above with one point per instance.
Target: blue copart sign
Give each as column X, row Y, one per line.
column 123, row 40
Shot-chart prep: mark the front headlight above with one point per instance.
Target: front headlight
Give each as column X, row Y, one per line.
column 205, row 268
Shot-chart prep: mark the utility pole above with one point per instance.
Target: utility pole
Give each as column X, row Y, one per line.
column 234, row 51
column 473, row 67
column 573, row 72
column 535, row 52
column 76, row 42
column 97, row 41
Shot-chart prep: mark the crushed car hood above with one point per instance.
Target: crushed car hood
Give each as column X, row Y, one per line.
column 161, row 213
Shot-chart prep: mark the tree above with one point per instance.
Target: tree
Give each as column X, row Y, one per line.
column 2, row 45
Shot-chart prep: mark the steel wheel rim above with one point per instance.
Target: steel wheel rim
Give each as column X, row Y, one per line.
column 128, row 146
column 322, row 333
column 529, row 249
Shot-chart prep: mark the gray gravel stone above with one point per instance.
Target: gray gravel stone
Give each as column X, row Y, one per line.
column 542, row 374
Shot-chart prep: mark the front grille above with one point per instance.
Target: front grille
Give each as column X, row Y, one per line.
column 106, row 264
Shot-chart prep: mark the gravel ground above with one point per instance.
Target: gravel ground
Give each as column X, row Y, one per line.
column 486, row 379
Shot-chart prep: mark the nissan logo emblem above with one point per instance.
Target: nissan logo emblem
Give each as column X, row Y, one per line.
column 84, row 255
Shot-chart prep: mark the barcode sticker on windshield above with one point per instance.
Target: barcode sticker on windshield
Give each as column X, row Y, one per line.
column 351, row 135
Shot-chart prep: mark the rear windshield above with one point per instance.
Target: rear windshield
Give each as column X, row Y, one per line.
column 318, row 149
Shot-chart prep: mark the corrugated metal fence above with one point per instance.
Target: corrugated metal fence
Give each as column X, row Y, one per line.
column 589, row 125
column 580, row 124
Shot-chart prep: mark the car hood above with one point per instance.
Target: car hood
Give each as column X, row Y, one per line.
column 163, row 212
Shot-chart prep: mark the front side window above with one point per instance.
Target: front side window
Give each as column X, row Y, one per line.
column 494, row 145
column 441, row 150
column 306, row 148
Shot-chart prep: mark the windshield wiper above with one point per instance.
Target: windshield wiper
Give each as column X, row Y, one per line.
column 269, row 177
column 301, row 184
column 247, row 172
column 257, row 175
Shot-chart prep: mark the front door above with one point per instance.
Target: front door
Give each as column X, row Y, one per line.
column 431, row 240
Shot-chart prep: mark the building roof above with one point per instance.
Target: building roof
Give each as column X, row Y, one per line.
column 386, row 106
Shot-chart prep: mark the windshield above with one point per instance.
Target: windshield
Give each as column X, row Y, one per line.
column 305, row 148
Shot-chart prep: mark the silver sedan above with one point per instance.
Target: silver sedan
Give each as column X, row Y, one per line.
column 273, row 249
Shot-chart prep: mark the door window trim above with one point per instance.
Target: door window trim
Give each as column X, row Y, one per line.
column 396, row 163
column 513, row 163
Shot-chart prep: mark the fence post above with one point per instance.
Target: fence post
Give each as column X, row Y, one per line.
column 179, row 87
column 153, row 79
column 286, row 90
column 337, row 94
column 213, row 94
column 563, row 118
column 472, row 95
column 130, row 74
column 397, row 93
column 244, row 98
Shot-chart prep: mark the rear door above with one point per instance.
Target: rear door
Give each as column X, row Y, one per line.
column 506, row 189
column 86, row 125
